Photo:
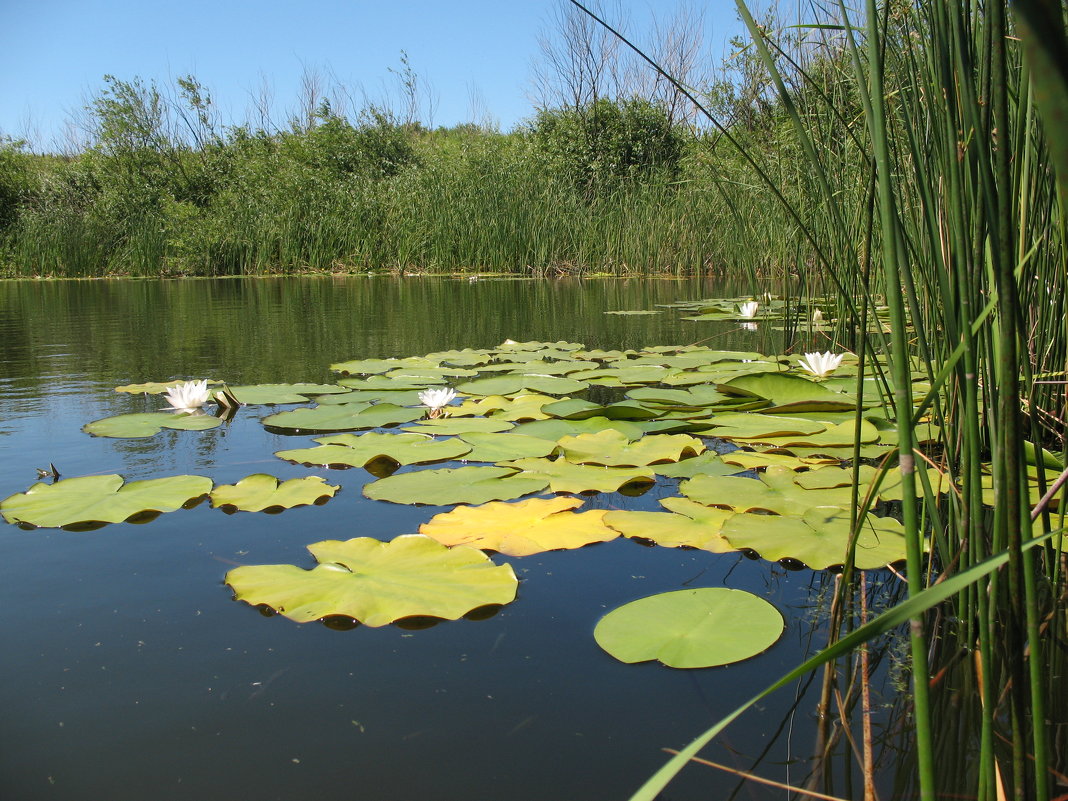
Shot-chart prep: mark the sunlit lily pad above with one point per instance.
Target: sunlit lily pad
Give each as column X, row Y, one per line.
column 691, row 628
column 357, row 450
column 344, row 417
column 788, row 393
column 708, row 463
column 453, row 426
column 687, row 524
column 775, row 491
column 445, row 486
column 263, row 493
column 505, row 447
column 88, row 500
column 612, row 448
column 514, row 383
column 578, row 409
column 520, row 407
column 376, row 366
column 147, row 424
column 378, row 582
column 818, row 538
column 269, row 394
column 563, row 476
column 555, row 429
column 521, row 528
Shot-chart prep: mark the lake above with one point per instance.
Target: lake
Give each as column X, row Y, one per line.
column 131, row 673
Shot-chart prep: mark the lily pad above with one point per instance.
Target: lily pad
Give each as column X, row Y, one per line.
column 788, row 392
column 555, row 429
column 563, row 476
column 514, row 383
column 505, row 447
column 270, row 394
column 818, row 538
column 445, row 486
column 691, row 628
column 686, row 525
column 521, row 528
column 614, row 449
column 357, row 450
column 343, row 417
column 86, row 501
column 147, row 424
column 263, row 493
column 775, row 491
column 378, row 582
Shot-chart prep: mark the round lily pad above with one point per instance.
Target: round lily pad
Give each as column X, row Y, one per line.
column 691, row 628
column 446, row 486
column 263, row 493
column 147, row 424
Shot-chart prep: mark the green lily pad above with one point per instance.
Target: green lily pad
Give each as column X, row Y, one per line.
column 445, row 486
column 818, row 538
column 515, row 383
column 520, row 407
column 88, row 501
column 378, row 582
column 690, row 628
column 708, row 463
column 147, row 424
column 521, row 528
column 686, row 525
column 788, row 392
column 344, row 417
column 556, row 429
column 453, row 426
column 505, row 447
column 263, row 493
column 775, row 491
column 577, row 409
column 377, row 366
column 357, row 450
column 270, row 394
column 612, row 448
column 563, row 476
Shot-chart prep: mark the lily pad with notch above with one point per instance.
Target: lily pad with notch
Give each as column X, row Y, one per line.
column 260, row 492
column 86, row 502
column 378, row 582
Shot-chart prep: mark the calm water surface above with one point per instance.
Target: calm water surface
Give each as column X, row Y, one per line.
column 130, row 673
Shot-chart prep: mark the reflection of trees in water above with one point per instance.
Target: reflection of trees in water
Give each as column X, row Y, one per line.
column 291, row 329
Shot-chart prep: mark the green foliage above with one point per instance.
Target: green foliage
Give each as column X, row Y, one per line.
column 600, row 146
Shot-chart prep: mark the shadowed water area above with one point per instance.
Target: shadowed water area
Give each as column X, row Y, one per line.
column 131, row 673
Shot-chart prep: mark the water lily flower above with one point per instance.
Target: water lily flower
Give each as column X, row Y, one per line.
column 817, row 316
column 188, row 396
column 821, row 365
column 748, row 309
column 436, row 400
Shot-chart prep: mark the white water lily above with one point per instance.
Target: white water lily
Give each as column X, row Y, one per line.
column 821, row 365
column 437, row 399
column 817, row 316
column 748, row 309
column 188, row 396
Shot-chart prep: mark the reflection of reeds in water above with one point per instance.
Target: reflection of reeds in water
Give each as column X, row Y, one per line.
column 928, row 181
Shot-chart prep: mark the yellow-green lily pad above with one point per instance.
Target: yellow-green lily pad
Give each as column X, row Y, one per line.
column 614, row 449
column 89, row 501
column 686, row 525
column 818, row 538
column 343, row 417
column 260, row 492
column 147, row 424
column 521, row 528
column 563, row 476
column 691, row 628
column 378, row 582
column 445, row 486
column 357, row 450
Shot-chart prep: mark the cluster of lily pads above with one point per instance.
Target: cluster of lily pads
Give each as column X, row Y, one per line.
column 515, row 438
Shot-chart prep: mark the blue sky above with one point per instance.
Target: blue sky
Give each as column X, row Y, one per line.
column 476, row 55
